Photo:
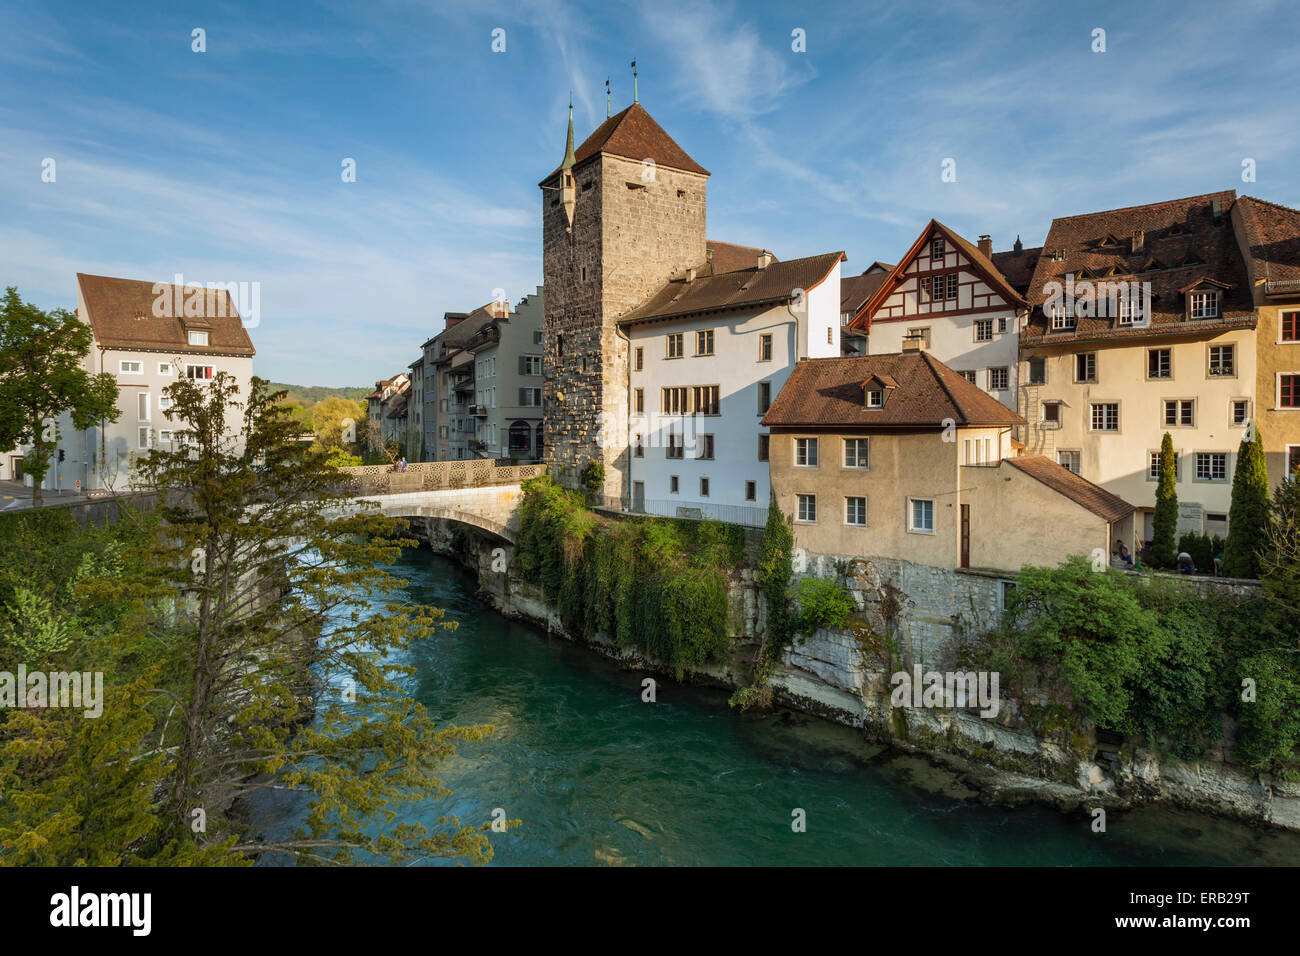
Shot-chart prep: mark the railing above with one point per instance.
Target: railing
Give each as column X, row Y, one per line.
column 437, row 476
column 747, row 515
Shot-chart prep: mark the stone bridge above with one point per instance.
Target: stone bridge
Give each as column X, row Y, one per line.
column 478, row 492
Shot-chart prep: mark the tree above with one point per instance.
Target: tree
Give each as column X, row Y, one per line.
column 41, row 378
column 1279, row 564
column 1248, row 514
column 1165, row 523
column 329, row 417
column 268, row 593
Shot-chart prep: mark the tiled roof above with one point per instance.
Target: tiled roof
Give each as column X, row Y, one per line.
column 1078, row 489
column 1018, row 267
column 856, row 290
column 829, row 392
column 729, row 257
column 455, row 338
column 1181, row 246
column 121, row 315
column 742, row 288
column 633, row 134
column 1272, row 238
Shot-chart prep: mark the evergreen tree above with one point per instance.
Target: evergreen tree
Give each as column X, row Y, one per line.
column 41, row 378
column 1248, row 516
column 1165, row 523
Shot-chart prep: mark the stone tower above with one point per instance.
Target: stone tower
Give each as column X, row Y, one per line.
column 621, row 216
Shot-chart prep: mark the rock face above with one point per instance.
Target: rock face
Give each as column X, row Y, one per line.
column 845, row 677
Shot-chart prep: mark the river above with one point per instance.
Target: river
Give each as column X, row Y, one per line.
column 598, row 777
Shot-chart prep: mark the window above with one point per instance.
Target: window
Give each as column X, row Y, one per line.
column 751, row 491
column 999, row 379
column 705, row 398
column 1105, row 416
column 704, row 487
column 855, row 511
column 197, row 338
column 1288, row 391
column 143, row 437
column 125, row 367
column 830, row 336
column 1128, row 308
column 1006, row 591
column 1205, row 305
column 704, row 342
column 675, row 447
column 530, row 365
column 537, row 336
column 920, row 515
column 675, row 347
column 1052, row 413
column 808, row 508
column 530, row 397
column 1070, row 460
column 1004, row 324
column 856, row 453
column 1060, row 320
column 1158, row 365
column 805, row 452
column 165, row 438
column 765, row 347
column 672, row 400
column 983, row 330
column 164, row 403
column 639, row 395
column 876, row 398
column 704, row 447
column 937, row 288
column 968, row 375
column 764, row 444
column 638, row 359
column 922, row 333
column 198, row 371
column 764, row 397
column 1180, row 413
column 1293, row 459
column 143, row 405
column 1211, row 466
column 1153, row 466
column 936, row 250
column 1289, row 327
column 1222, row 360
column 165, row 368
column 638, row 449
column 674, row 485
column 1239, row 411
column 1085, row 367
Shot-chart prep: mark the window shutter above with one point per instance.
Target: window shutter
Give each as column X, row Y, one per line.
column 523, row 365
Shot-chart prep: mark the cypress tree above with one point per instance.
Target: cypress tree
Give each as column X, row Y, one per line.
column 1165, row 522
column 1248, row 517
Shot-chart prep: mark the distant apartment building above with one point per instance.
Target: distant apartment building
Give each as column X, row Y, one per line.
column 507, row 406
column 453, row 365
column 146, row 344
column 386, row 412
column 415, row 412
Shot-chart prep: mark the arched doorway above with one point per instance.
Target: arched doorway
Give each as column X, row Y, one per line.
column 519, row 437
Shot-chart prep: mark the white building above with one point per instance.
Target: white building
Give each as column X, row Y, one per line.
column 145, row 352
column 708, row 355
column 950, row 297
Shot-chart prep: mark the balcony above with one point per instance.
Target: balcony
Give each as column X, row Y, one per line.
column 479, row 411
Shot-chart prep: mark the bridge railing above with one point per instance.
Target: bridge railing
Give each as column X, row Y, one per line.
column 437, row 476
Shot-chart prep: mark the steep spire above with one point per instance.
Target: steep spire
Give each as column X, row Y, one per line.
column 607, row 113
column 569, row 158
column 635, row 98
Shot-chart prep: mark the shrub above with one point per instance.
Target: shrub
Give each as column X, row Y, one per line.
column 822, row 603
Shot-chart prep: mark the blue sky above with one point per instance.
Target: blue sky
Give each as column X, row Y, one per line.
column 225, row 165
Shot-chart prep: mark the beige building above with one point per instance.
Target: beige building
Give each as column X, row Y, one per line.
column 898, row 456
column 146, row 335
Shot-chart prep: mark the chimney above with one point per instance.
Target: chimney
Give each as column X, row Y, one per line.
column 913, row 343
column 1139, row 239
column 986, row 247
column 1019, row 247
column 690, row 274
column 764, row 259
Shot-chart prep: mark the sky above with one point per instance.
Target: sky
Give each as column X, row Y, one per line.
column 226, row 165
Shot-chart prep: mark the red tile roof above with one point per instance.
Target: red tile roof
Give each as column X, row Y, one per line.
column 121, row 314
column 1181, row 245
column 856, row 290
column 633, row 134
column 729, row 257
column 1018, row 267
column 828, row 392
column 743, row 288
column 1273, row 240
column 1078, row 489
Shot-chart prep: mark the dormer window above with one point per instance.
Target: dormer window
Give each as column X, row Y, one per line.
column 198, row 338
column 1204, row 305
column 875, row 398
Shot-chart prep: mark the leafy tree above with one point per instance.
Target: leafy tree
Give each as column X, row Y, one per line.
column 41, row 378
column 329, row 416
column 1165, row 522
column 268, row 596
column 1248, row 514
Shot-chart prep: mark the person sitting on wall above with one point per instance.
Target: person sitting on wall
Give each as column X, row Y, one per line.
column 1185, row 563
column 1218, row 565
column 1125, row 554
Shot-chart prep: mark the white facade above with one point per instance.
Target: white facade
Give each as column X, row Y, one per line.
column 706, row 460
